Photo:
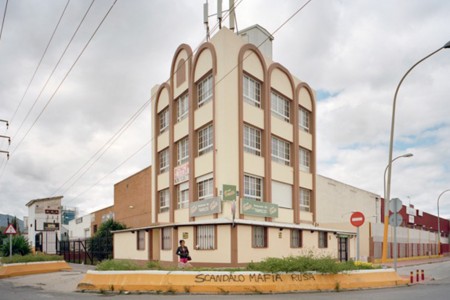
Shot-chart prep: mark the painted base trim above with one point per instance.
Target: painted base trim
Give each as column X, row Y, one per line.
column 412, row 258
column 234, row 282
column 11, row 270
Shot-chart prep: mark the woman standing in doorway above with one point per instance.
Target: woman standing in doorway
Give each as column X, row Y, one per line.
column 183, row 252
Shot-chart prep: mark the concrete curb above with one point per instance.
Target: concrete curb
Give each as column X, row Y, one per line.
column 234, row 282
column 11, row 270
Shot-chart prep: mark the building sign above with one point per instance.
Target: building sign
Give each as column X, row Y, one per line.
column 181, row 173
column 410, row 210
column 411, row 219
column 52, row 211
column 205, row 207
column 260, row 209
column 51, row 226
column 229, row 192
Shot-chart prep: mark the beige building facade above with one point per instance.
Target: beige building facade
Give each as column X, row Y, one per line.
column 234, row 168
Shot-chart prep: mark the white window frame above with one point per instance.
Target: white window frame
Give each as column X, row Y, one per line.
column 304, row 119
column 296, row 238
column 183, row 195
column 205, row 139
column 164, row 200
column 183, row 151
column 252, row 140
column 252, row 91
column 205, row 187
column 166, row 238
column 305, row 159
column 164, row 161
column 280, row 106
column 253, row 187
column 206, row 237
column 205, row 90
column 182, row 107
column 259, row 237
column 305, row 200
column 281, row 151
column 164, row 120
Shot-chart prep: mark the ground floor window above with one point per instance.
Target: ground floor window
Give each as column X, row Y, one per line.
column 296, row 238
column 323, row 239
column 206, row 237
column 166, row 243
column 259, row 237
column 140, row 238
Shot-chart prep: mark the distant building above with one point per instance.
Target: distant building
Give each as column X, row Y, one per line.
column 78, row 228
column 44, row 224
column 100, row 216
column 68, row 214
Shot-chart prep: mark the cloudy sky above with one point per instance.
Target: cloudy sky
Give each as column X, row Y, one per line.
column 65, row 137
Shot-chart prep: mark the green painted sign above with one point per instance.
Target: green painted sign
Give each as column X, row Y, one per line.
column 229, row 192
column 205, row 207
column 260, row 209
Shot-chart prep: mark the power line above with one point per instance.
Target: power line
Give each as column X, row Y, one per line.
column 39, row 64
column 3, row 19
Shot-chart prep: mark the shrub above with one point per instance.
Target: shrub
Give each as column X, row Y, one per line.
column 31, row 258
column 19, row 246
column 101, row 244
column 118, row 265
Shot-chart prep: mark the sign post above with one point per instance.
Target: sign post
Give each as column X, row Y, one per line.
column 357, row 219
column 10, row 230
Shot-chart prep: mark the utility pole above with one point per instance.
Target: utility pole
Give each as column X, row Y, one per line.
column 6, row 137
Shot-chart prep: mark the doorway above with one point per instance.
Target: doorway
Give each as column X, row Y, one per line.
column 343, row 249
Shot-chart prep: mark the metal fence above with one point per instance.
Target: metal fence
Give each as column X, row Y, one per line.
column 88, row 251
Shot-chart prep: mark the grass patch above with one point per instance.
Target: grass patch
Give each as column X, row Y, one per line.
column 118, row 265
column 30, row 258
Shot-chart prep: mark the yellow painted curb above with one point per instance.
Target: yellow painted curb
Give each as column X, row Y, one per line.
column 235, row 282
column 11, row 270
column 412, row 258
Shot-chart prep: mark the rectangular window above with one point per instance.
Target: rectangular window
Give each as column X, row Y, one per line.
column 304, row 119
column 140, row 236
column 281, row 151
column 164, row 120
column 206, row 237
column 259, row 237
column 205, row 140
column 280, row 106
column 166, row 243
column 205, row 188
column 305, row 160
column 252, row 91
column 253, row 188
column 182, row 107
column 282, row 194
column 323, row 239
column 252, row 140
column 204, row 90
column 305, row 200
column 183, row 195
column 164, row 161
column 183, row 151
column 164, row 200
column 296, row 238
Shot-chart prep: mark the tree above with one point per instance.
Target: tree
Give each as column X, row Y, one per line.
column 19, row 246
column 101, row 244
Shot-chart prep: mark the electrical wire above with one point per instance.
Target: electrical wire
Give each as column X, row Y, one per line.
column 3, row 19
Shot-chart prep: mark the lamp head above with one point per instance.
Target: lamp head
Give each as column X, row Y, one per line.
column 446, row 46
column 408, row 155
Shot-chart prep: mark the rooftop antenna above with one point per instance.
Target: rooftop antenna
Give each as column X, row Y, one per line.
column 205, row 19
column 232, row 14
column 219, row 13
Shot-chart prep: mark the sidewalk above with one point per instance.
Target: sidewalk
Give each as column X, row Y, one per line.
column 417, row 262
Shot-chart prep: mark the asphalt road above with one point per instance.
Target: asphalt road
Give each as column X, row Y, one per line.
column 61, row 285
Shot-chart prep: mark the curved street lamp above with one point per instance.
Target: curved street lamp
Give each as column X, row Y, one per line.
column 439, row 222
column 386, row 207
column 391, row 145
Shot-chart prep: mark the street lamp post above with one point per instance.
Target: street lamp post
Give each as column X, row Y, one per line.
column 439, row 222
column 391, row 145
column 386, row 207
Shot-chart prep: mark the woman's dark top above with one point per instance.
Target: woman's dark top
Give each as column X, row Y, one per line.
column 183, row 252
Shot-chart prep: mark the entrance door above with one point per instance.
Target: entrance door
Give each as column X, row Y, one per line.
column 343, row 249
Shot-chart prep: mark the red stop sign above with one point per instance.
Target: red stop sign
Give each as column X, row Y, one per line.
column 357, row 219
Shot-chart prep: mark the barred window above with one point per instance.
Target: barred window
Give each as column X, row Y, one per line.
column 164, row 200
column 296, row 238
column 205, row 140
column 323, row 239
column 183, row 195
column 253, row 188
column 281, row 151
column 305, row 160
column 280, row 106
column 206, row 237
column 164, row 161
column 183, row 151
column 140, row 237
column 182, row 107
column 204, row 90
column 252, row 140
column 164, row 120
column 252, row 91
column 205, row 188
column 259, row 237
column 305, row 200
column 166, row 243
column 304, row 119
